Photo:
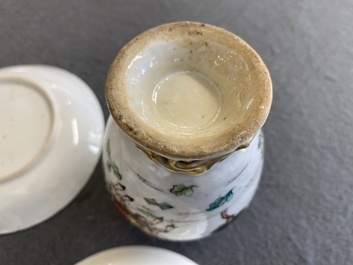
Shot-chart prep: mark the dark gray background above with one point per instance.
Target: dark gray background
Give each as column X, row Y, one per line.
column 303, row 210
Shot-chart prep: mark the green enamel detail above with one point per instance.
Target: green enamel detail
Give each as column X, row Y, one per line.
column 111, row 164
column 220, row 201
column 147, row 213
column 261, row 145
column 109, row 149
column 163, row 206
column 182, row 190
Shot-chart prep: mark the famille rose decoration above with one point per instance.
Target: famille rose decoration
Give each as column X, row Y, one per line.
column 183, row 149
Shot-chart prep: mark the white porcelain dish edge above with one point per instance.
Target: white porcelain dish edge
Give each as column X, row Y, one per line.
column 136, row 255
column 64, row 167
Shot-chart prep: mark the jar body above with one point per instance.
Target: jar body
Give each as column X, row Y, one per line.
column 178, row 206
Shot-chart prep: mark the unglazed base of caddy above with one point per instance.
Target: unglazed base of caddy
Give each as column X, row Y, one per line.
column 177, row 206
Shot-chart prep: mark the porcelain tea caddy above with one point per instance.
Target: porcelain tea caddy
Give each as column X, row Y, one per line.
column 183, row 149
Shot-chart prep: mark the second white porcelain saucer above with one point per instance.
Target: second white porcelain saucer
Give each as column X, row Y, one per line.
column 51, row 128
column 136, row 255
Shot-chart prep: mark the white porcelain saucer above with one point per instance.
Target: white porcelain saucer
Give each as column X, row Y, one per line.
column 51, row 128
column 136, row 255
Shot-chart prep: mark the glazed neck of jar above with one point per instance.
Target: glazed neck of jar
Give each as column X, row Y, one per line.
column 190, row 167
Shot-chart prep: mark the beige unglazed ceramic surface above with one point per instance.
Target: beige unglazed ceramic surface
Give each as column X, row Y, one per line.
column 188, row 90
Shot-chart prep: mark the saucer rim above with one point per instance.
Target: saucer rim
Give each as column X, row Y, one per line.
column 111, row 255
column 14, row 214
